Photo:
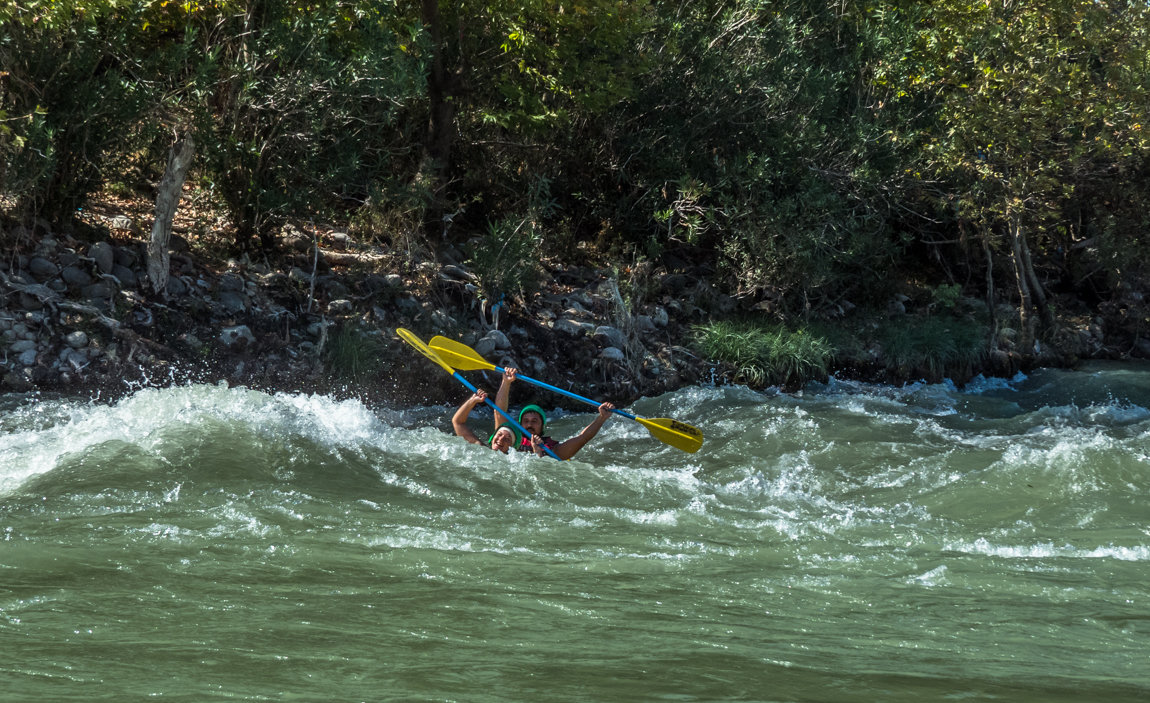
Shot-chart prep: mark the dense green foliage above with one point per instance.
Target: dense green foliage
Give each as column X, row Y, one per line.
column 813, row 155
column 765, row 354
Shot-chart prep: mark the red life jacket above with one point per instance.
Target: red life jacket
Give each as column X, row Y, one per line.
column 525, row 445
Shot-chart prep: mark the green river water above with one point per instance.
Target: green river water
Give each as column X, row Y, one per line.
column 850, row 543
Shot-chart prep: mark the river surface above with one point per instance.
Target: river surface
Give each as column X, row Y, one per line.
column 849, row 543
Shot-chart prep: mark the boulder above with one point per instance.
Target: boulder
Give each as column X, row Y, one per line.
column 104, row 255
column 125, row 275
column 609, row 336
column 42, row 269
column 76, row 277
column 99, row 289
column 491, row 342
column 233, row 302
column 237, row 337
column 573, row 327
column 612, row 354
column 340, row 306
column 231, row 282
column 77, row 339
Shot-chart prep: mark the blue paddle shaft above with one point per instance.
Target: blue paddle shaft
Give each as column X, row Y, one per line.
column 569, row 394
column 499, row 410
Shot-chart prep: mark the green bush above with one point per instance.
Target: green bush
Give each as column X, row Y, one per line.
column 353, row 353
column 763, row 354
column 932, row 347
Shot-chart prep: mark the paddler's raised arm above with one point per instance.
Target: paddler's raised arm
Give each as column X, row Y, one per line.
column 566, row 450
column 459, row 419
column 503, row 395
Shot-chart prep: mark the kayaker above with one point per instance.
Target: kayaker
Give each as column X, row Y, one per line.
column 502, row 440
column 534, row 420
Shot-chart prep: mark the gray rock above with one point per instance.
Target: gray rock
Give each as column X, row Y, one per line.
column 76, row 277
column 612, row 354
column 644, row 323
column 231, row 282
column 394, row 280
column 340, row 240
column 57, row 285
column 68, row 258
column 22, row 345
column 77, row 339
column 238, row 337
column 233, row 302
column 408, row 305
column 30, row 302
column 573, row 327
column 499, row 339
column 340, row 306
column 27, row 357
column 42, row 269
column 99, row 289
column 441, row 319
column 104, row 256
column 485, row 347
column 609, row 336
column 176, row 287
column 660, row 316
column 335, row 289
column 125, row 256
column 126, row 276
column 76, row 358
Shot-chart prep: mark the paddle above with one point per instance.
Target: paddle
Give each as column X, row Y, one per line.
column 679, row 435
column 422, row 348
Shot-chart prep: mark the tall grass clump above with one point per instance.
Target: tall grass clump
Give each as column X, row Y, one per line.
column 765, row 354
column 933, row 347
column 353, row 353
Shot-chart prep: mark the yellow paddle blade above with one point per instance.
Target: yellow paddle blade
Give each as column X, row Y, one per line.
column 679, row 435
column 459, row 355
column 422, row 348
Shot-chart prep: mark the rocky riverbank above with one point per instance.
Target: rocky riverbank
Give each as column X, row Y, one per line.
column 77, row 316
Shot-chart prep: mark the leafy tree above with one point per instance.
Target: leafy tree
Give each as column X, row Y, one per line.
column 750, row 140
column 1029, row 102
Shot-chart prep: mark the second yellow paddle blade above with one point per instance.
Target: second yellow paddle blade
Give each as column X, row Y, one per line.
column 459, row 355
column 679, row 435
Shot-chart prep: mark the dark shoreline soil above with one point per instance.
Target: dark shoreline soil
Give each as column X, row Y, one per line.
column 77, row 317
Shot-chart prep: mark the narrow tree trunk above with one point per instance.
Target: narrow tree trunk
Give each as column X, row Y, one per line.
column 167, row 200
column 1025, row 303
column 989, row 280
column 440, row 85
column 1036, row 289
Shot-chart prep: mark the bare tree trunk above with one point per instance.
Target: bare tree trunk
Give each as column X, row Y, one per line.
column 1036, row 289
column 167, row 200
column 1025, row 303
column 989, row 280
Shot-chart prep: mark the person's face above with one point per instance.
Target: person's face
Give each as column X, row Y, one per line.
column 532, row 422
column 503, row 440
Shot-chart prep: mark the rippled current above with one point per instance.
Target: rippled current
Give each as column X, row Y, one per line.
column 850, row 543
